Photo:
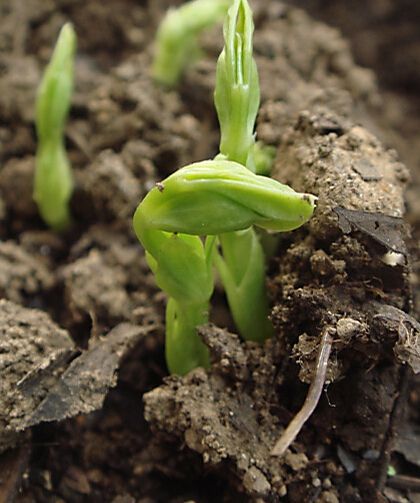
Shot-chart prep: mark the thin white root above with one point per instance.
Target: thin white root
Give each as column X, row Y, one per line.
column 312, row 398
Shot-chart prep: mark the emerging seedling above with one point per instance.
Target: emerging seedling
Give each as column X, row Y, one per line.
column 237, row 93
column 53, row 183
column 237, row 97
column 205, row 199
column 176, row 41
column 218, row 201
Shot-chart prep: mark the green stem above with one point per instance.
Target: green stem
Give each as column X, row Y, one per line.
column 53, row 184
column 242, row 270
column 184, row 349
column 237, row 98
column 177, row 37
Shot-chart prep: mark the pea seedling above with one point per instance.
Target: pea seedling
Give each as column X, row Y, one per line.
column 217, row 202
column 237, row 98
column 205, row 199
column 53, row 184
column 178, row 221
column 176, row 41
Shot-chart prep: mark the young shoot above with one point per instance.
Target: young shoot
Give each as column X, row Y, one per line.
column 176, row 41
column 264, row 156
column 237, row 93
column 241, row 264
column 53, row 184
column 205, row 199
column 242, row 270
column 180, row 221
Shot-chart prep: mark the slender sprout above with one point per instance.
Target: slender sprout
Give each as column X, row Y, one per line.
column 237, row 97
column 237, row 93
column 53, row 184
column 176, row 41
column 205, row 199
column 312, row 398
column 242, row 271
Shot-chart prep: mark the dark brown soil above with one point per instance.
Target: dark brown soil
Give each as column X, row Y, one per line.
column 86, row 410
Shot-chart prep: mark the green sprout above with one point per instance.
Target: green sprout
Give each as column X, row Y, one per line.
column 205, row 199
column 176, row 41
column 218, row 202
column 242, row 271
column 264, row 156
column 237, row 97
column 53, row 184
column 237, row 93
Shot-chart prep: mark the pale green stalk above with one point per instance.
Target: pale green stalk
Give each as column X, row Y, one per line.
column 184, row 350
column 237, row 98
column 53, row 184
column 208, row 198
column 182, row 265
column 176, row 40
column 244, row 282
column 237, row 93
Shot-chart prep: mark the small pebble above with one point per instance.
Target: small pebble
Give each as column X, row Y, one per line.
column 282, row 491
column 327, row 484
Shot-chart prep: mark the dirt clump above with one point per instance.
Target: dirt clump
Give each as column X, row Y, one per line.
column 103, row 299
column 113, row 190
column 16, row 188
column 23, row 279
column 29, row 339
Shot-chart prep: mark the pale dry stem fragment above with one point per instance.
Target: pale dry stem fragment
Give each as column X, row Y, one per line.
column 312, row 397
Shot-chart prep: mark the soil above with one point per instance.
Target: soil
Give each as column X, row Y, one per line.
column 87, row 411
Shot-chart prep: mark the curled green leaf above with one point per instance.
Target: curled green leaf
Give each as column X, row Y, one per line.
column 213, row 197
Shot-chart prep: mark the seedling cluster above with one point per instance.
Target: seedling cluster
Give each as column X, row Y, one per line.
column 203, row 216
column 205, row 199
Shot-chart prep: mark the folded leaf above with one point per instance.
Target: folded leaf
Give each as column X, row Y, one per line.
column 213, row 197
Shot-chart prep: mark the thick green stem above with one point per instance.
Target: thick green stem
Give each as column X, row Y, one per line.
column 237, row 98
column 237, row 93
column 237, row 138
column 182, row 265
column 53, row 184
column 242, row 270
column 184, row 349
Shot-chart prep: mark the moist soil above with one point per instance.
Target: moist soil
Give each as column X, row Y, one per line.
column 87, row 411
